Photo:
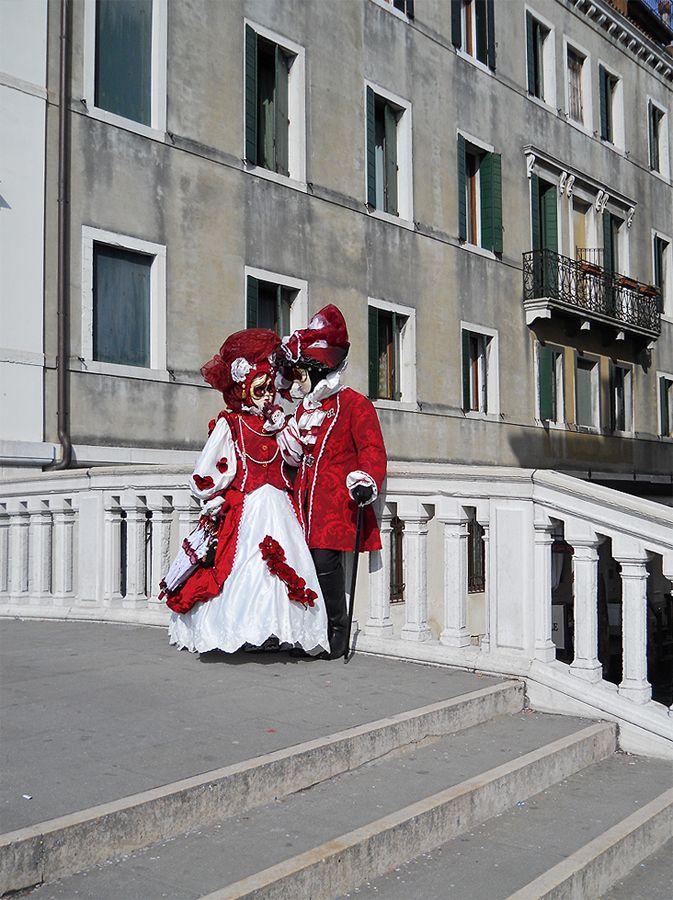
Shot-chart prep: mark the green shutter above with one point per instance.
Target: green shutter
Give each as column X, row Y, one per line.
column 658, row 262
column 410, row 9
column 252, row 302
column 608, row 249
column 612, row 404
column 462, row 200
column 530, row 53
column 373, row 352
column 490, row 29
column 371, row 150
column 465, row 336
column 536, row 235
column 456, row 22
column 545, row 370
column 650, row 131
column 250, row 95
column 490, row 172
column 663, row 406
column 549, row 219
column 281, row 119
column 390, row 127
column 603, row 95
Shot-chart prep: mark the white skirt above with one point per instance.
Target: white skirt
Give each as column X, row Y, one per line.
column 253, row 604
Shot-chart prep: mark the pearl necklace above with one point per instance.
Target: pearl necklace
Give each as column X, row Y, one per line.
column 246, row 455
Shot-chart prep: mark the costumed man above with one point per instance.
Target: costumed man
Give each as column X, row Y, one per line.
column 335, row 440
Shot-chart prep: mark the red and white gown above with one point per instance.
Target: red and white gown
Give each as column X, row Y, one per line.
column 244, row 598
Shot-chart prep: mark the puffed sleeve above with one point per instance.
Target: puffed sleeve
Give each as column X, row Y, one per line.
column 216, row 466
column 288, row 439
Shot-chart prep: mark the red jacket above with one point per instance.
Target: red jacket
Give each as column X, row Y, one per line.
column 348, row 439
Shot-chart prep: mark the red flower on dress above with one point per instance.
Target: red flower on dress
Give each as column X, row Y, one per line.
column 203, row 482
column 211, row 426
column 222, row 465
column 274, row 556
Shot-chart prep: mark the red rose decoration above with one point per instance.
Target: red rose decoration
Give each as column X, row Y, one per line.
column 274, row 556
column 222, row 464
column 203, row 482
column 211, row 426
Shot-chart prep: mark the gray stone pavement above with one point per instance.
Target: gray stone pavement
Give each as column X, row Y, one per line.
column 92, row 712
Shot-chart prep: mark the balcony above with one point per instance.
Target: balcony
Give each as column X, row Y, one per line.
column 583, row 291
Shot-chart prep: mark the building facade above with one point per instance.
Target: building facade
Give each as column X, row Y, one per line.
column 484, row 189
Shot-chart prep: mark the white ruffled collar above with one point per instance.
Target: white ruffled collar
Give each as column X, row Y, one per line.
column 330, row 385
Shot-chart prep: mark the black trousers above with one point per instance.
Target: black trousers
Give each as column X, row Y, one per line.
column 329, row 566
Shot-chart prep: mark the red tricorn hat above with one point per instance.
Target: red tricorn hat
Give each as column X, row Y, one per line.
column 325, row 341
column 242, row 356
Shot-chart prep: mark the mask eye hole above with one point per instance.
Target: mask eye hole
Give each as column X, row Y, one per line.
column 259, row 390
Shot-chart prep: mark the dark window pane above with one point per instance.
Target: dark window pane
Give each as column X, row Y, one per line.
column 386, row 356
column 123, row 77
column 273, row 307
column 266, row 82
column 121, row 306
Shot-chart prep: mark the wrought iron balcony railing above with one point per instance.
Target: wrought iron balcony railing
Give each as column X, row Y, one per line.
column 584, row 288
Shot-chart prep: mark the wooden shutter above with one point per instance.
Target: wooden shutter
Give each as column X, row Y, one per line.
column 371, row 150
column 490, row 172
column 250, row 95
column 462, row 200
column 604, row 96
column 536, row 233
column 252, row 302
column 549, row 219
column 390, row 129
column 608, row 249
column 530, row 53
column 373, row 352
column 659, row 247
column 467, row 373
column 490, row 30
column 545, row 371
column 280, row 109
column 650, row 131
column 663, row 406
column 457, row 22
column 409, row 9
column 612, row 405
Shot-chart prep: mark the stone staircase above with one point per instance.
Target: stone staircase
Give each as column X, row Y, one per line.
column 476, row 797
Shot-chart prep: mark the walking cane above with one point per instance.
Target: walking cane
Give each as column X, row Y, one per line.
column 356, row 555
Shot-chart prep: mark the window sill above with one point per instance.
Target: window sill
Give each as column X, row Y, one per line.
column 584, row 429
column 94, row 367
column 391, row 9
column 622, row 434
column 543, row 104
column 404, row 405
column 477, row 63
column 276, row 177
column 484, row 417
column 610, row 145
column 479, row 251
column 580, row 126
column 391, row 219
column 552, row 426
column 660, row 175
column 102, row 115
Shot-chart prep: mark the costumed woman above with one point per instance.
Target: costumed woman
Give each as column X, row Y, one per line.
column 245, row 574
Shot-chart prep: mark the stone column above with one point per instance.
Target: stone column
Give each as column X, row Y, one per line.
column 39, row 577
column 188, row 513
column 545, row 650
column 161, row 508
column 585, row 572
column 4, row 551
column 64, row 522
column 455, row 633
column 18, row 551
column 486, row 640
column 136, row 549
column 112, row 551
column 379, row 622
column 634, row 683
column 415, row 518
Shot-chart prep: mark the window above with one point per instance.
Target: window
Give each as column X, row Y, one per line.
column 662, row 273
column 397, row 560
column 479, row 196
column 610, row 94
column 274, row 301
column 392, row 352
column 666, row 405
column 540, row 60
column 479, row 363
column 125, row 62
column 405, row 7
column 577, row 87
column 123, row 302
column 657, row 131
column 274, row 104
column 473, row 29
column 587, row 407
column 388, row 154
column 615, row 255
column 551, row 394
column 621, row 398
column 476, row 559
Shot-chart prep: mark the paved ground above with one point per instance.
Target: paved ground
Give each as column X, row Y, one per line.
column 90, row 713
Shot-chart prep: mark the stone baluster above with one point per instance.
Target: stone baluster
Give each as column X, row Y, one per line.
column 136, row 549
column 4, row 550
column 90, row 549
column 633, row 563
column 379, row 621
column 585, row 544
column 455, row 633
column 64, row 523
column 112, row 536
column 485, row 645
column 188, row 513
column 545, row 650
column 18, row 551
column 161, row 508
column 415, row 517
column 39, row 576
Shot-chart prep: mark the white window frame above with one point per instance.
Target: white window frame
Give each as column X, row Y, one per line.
column 669, row 377
column 388, row 5
column 595, row 392
column 664, row 151
column 299, row 307
column 618, row 134
column 560, row 385
column 624, row 241
column 667, row 298
column 157, row 370
column 408, row 399
column 587, row 100
column 590, row 221
column 296, row 106
column 548, row 59
column 157, row 129
column 487, row 148
column 628, row 398
column 492, row 370
column 405, row 161
column 462, row 50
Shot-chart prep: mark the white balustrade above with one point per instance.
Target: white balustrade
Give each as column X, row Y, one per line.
column 39, row 560
column 161, row 508
column 454, row 520
column 633, row 564
column 415, row 517
column 4, row 550
column 136, row 556
column 18, row 551
column 545, row 650
column 63, row 514
column 585, row 543
column 112, row 591
column 379, row 621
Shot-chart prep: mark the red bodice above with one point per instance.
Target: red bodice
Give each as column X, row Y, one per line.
column 258, row 457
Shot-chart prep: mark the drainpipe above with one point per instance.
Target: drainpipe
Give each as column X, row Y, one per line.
column 63, row 289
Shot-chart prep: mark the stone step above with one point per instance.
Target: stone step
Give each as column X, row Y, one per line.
column 650, row 879
column 570, row 841
column 72, row 843
column 330, row 837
